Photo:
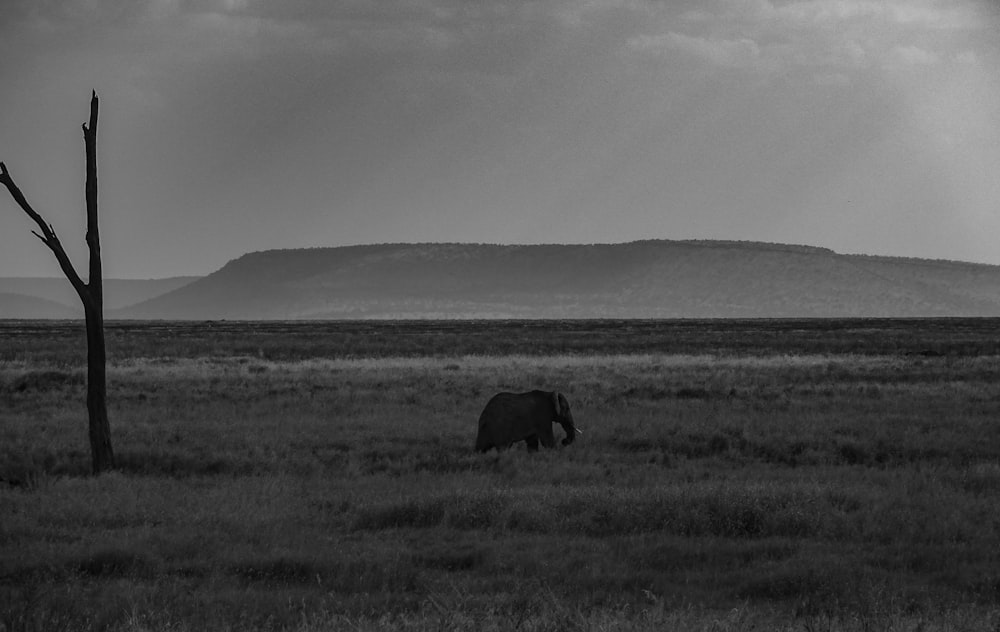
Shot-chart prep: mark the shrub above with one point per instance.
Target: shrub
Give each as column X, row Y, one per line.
column 115, row 563
column 280, row 570
column 424, row 512
column 46, row 380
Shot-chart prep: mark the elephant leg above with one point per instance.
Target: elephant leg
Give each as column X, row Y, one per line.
column 532, row 442
column 548, row 439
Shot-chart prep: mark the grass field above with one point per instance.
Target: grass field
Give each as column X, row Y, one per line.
column 732, row 475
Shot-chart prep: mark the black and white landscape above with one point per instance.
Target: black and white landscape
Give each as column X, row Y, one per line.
column 330, row 280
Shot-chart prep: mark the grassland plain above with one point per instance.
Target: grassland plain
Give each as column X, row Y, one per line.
column 732, row 475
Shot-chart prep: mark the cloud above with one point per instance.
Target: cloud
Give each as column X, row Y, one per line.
column 719, row 52
column 834, row 79
column 936, row 15
column 914, row 56
column 923, row 14
column 819, row 13
column 769, row 36
column 967, row 57
column 836, row 36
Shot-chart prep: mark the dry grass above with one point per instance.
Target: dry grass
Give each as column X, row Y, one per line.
column 835, row 491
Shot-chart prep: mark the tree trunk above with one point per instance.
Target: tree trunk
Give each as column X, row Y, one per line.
column 102, row 456
column 91, row 295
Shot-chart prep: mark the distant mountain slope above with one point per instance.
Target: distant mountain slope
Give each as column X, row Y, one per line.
column 647, row 279
column 117, row 293
column 30, row 307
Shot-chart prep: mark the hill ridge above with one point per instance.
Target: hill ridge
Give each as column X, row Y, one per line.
column 639, row 279
column 19, row 306
column 59, row 297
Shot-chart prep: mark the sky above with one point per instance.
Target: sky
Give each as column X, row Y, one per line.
column 229, row 126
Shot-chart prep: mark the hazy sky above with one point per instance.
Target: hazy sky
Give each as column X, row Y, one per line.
column 229, row 126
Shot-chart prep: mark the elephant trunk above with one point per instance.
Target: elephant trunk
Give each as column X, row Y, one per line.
column 570, row 428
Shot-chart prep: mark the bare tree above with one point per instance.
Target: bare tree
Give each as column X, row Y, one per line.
column 91, row 294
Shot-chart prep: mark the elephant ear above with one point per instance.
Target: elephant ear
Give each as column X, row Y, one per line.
column 559, row 403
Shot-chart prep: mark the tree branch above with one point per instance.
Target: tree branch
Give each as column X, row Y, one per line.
column 48, row 235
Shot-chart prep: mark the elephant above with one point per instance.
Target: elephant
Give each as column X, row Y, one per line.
column 512, row 417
